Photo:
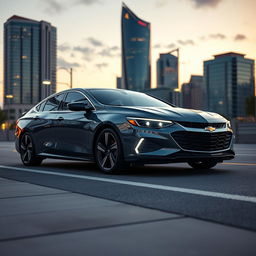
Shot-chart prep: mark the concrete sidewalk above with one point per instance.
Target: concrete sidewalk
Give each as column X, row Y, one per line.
column 37, row 220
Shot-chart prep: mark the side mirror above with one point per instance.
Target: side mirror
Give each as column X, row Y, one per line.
column 79, row 106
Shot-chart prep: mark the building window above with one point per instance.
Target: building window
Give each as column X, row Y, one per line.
column 138, row 39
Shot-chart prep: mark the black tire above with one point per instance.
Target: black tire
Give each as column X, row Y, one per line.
column 108, row 151
column 202, row 164
column 27, row 151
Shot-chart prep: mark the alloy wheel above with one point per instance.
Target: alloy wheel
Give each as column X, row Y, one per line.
column 26, row 147
column 107, row 151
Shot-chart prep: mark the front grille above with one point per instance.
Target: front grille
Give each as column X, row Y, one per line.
column 203, row 141
column 202, row 125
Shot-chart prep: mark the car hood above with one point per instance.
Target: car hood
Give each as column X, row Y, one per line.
column 171, row 113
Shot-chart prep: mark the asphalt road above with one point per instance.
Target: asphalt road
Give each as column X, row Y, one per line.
column 225, row 194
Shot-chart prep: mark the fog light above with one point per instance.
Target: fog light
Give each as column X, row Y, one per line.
column 138, row 145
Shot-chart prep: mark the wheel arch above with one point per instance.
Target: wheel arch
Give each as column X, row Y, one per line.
column 103, row 126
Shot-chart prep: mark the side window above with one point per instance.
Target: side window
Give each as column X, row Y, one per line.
column 73, row 97
column 53, row 103
column 40, row 107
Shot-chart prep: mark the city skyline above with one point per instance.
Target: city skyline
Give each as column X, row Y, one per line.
column 95, row 55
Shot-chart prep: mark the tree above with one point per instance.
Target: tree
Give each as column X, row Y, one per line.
column 250, row 106
column 3, row 116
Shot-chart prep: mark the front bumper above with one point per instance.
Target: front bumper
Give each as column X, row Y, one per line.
column 159, row 146
column 182, row 157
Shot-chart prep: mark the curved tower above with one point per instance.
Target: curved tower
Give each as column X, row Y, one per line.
column 136, row 59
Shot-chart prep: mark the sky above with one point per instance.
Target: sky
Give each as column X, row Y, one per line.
column 89, row 33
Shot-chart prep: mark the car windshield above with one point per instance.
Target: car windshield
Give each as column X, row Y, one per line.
column 126, row 98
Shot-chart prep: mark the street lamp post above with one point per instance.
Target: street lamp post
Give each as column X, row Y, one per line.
column 70, row 71
column 45, row 88
column 46, row 82
column 8, row 97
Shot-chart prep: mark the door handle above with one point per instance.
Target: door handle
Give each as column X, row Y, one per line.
column 60, row 118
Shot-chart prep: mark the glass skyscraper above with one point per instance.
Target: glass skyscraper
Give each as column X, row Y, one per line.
column 29, row 61
column 192, row 94
column 228, row 81
column 136, row 58
column 167, row 71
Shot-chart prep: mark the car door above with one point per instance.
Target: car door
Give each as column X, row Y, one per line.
column 73, row 128
column 46, row 119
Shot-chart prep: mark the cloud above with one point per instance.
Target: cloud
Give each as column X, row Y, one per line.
column 202, row 38
column 172, row 45
column 88, row 2
column 64, row 47
column 94, row 42
column 53, row 6
column 114, row 48
column 106, row 53
column 58, row 6
column 206, row 3
column 87, row 52
column 240, row 37
column 197, row 3
column 157, row 46
column 217, row 36
column 186, row 42
column 101, row 65
column 109, row 51
column 161, row 3
column 66, row 64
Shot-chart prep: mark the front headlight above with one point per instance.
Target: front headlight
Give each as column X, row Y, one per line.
column 149, row 123
column 229, row 125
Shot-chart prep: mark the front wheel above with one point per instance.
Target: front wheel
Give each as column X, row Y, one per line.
column 27, row 151
column 108, row 151
column 202, row 164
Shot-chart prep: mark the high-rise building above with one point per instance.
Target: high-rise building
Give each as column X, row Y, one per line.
column 119, row 82
column 229, row 81
column 29, row 63
column 136, row 58
column 186, row 95
column 192, row 93
column 167, row 71
column 164, row 94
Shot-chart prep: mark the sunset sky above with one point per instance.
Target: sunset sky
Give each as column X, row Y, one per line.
column 89, row 33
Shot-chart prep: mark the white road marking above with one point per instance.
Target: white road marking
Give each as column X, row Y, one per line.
column 244, row 154
column 141, row 184
column 246, row 164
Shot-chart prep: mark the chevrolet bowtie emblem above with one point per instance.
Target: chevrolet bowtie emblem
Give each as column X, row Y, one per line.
column 210, row 129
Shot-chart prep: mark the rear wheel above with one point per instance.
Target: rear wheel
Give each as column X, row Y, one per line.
column 27, row 151
column 108, row 151
column 202, row 164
